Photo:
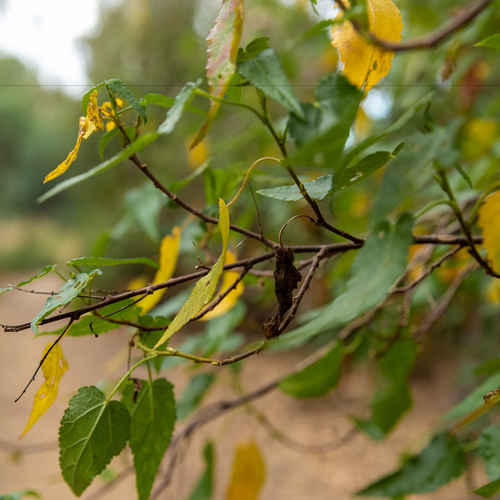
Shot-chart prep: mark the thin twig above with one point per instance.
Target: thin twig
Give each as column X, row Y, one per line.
column 259, row 220
column 194, row 210
column 440, row 309
column 36, row 292
column 428, row 271
column 49, row 350
column 287, row 441
column 402, row 323
column 107, row 316
column 133, row 293
column 303, row 289
column 426, row 42
column 170, row 351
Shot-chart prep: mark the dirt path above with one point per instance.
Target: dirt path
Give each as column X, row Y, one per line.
column 290, row 475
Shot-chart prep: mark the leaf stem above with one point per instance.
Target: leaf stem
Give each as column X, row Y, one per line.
column 170, row 351
column 230, row 103
column 125, row 377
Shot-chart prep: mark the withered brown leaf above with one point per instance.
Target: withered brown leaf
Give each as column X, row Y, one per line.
column 286, row 277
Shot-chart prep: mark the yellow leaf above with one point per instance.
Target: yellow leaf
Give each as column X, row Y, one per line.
column 205, row 288
column 197, row 156
column 489, row 222
column 53, row 369
column 138, row 282
column 169, row 252
column 478, row 136
column 61, row 168
column 94, row 120
column 364, row 63
column 107, row 110
column 87, row 126
column 229, row 301
column 249, row 473
column 493, row 292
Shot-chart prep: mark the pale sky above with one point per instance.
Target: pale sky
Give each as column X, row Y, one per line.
column 44, row 33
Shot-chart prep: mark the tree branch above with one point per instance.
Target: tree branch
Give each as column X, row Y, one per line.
column 328, row 250
column 426, row 42
column 194, row 210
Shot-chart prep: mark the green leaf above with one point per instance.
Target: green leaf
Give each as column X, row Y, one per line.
column 121, row 311
column 119, row 87
column 160, row 100
column 175, row 112
column 91, row 433
column 327, row 131
column 488, row 490
column 205, row 288
column 398, row 362
column 369, row 427
column 474, row 400
column 38, row 275
column 66, row 294
column 256, row 46
column 353, row 152
column 175, row 186
column 318, row 189
column 389, row 405
column 103, row 261
column 311, row 32
column 375, row 270
column 126, row 153
column 194, row 393
column 442, row 461
column 266, row 73
column 492, row 41
column 220, row 335
column 234, row 86
column 364, row 168
column 204, row 488
column 315, row 123
column 153, row 420
column 316, row 379
column 167, row 102
column 488, row 367
column 144, row 204
column 489, row 449
column 19, row 495
column 86, row 96
column 223, row 42
column 214, row 181
column 464, row 175
column 105, row 139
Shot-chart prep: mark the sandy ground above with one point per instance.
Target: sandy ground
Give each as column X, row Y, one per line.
column 289, row 474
